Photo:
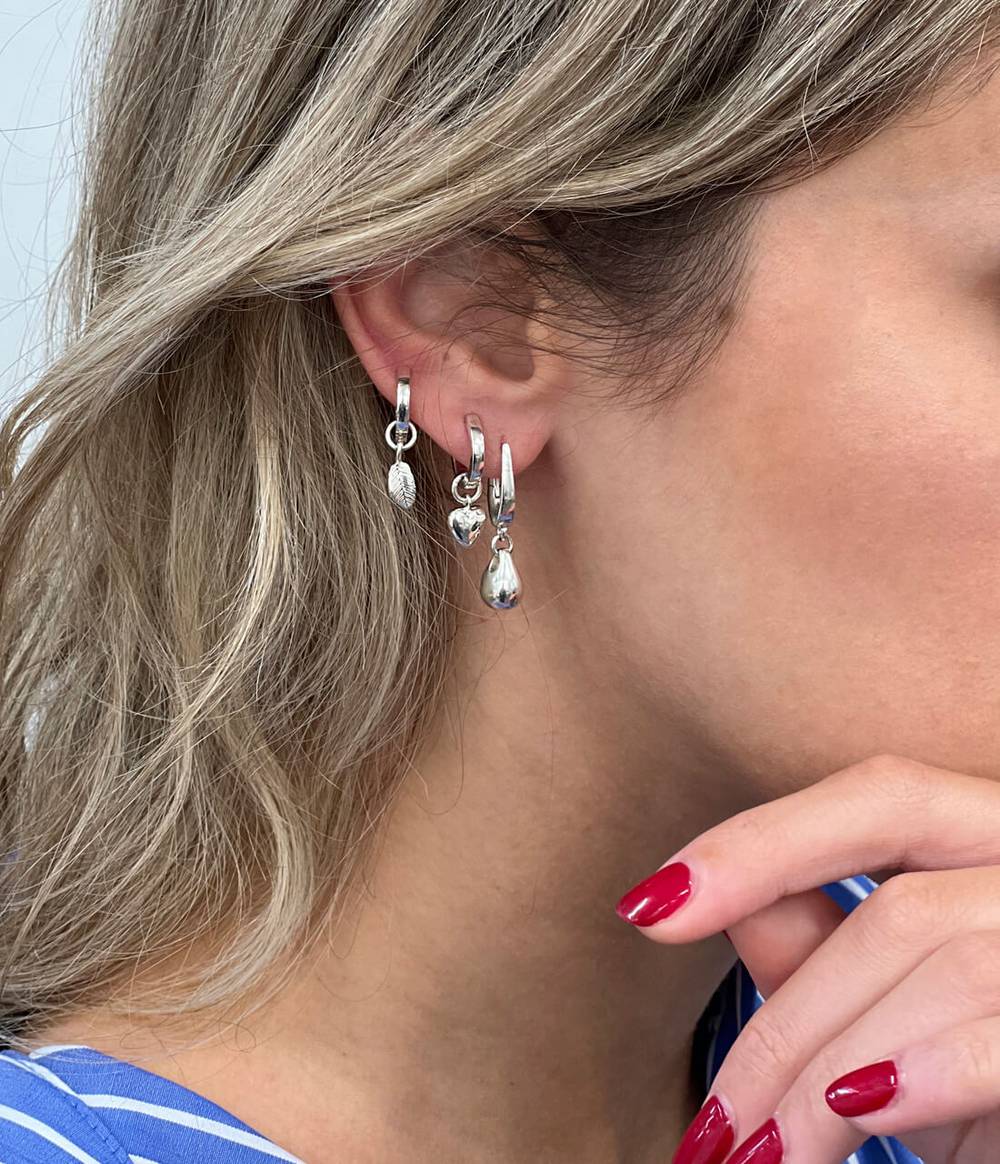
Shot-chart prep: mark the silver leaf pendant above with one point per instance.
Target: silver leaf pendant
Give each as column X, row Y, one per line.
column 501, row 584
column 465, row 524
column 402, row 487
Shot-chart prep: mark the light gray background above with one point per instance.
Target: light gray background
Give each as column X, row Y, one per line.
column 39, row 91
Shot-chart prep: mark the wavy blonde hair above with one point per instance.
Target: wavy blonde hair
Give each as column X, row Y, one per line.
column 208, row 608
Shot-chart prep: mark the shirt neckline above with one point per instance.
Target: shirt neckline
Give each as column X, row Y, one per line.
column 125, row 1086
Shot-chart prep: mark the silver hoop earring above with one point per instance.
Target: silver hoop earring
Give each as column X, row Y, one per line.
column 501, row 584
column 466, row 521
column 401, row 434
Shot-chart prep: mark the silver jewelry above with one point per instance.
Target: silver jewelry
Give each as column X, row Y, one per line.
column 466, row 521
column 501, row 584
column 401, row 434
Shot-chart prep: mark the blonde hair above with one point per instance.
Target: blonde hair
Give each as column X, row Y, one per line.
column 220, row 641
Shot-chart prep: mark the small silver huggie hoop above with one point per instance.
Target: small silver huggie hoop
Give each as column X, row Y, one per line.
column 467, row 487
column 501, row 584
column 401, row 434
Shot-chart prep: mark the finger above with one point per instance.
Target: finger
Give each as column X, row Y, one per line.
column 958, row 978
column 933, row 1086
column 774, row 942
column 876, row 946
column 819, row 834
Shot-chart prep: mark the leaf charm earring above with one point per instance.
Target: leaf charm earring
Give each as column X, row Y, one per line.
column 401, row 434
column 501, row 584
column 466, row 521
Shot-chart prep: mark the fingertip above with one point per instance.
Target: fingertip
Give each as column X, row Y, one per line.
column 657, row 897
column 863, row 1090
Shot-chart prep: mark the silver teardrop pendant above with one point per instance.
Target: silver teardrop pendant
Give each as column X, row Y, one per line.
column 501, row 584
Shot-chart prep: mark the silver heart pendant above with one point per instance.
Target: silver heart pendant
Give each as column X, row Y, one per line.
column 465, row 524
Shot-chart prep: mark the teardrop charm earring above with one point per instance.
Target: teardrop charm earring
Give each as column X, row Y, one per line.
column 466, row 521
column 501, row 584
column 401, row 434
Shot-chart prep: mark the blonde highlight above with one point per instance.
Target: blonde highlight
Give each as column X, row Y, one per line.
column 220, row 640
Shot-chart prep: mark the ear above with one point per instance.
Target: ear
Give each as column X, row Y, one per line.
column 429, row 319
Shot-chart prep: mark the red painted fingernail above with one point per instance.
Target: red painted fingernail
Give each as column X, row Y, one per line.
column 658, row 896
column 761, row 1147
column 708, row 1138
column 867, row 1089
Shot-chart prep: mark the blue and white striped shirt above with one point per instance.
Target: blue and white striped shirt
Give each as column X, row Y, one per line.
column 71, row 1103
column 61, row 1104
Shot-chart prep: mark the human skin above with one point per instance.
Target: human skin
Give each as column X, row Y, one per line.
column 788, row 569
column 891, row 1023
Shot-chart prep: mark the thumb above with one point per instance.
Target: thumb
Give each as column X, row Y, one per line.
column 774, row 942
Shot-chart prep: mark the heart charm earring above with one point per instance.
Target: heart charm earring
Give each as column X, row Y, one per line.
column 401, row 434
column 466, row 521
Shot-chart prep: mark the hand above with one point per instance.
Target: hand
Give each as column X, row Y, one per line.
column 885, row 1021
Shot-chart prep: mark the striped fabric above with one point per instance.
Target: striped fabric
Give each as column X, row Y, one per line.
column 735, row 1001
column 72, row 1103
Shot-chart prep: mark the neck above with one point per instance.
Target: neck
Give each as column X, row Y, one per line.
column 482, row 991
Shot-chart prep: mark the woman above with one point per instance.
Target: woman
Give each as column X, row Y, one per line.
column 325, row 762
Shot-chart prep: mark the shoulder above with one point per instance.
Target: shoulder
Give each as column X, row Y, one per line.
column 43, row 1120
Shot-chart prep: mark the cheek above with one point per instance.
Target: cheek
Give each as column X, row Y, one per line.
column 858, row 437
column 866, row 484
column 867, row 417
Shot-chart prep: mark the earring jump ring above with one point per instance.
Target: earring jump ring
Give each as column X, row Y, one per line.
column 392, row 436
column 465, row 491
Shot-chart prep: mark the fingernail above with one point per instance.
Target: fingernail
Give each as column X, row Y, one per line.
column 658, row 896
column 761, row 1147
column 708, row 1138
column 867, row 1089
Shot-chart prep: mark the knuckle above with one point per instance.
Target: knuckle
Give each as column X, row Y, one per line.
column 766, row 1049
column 903, row 782
column 886, row 762
column 871, row 769
column 902, row 909
column 973, row 1055
column 971, row 965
